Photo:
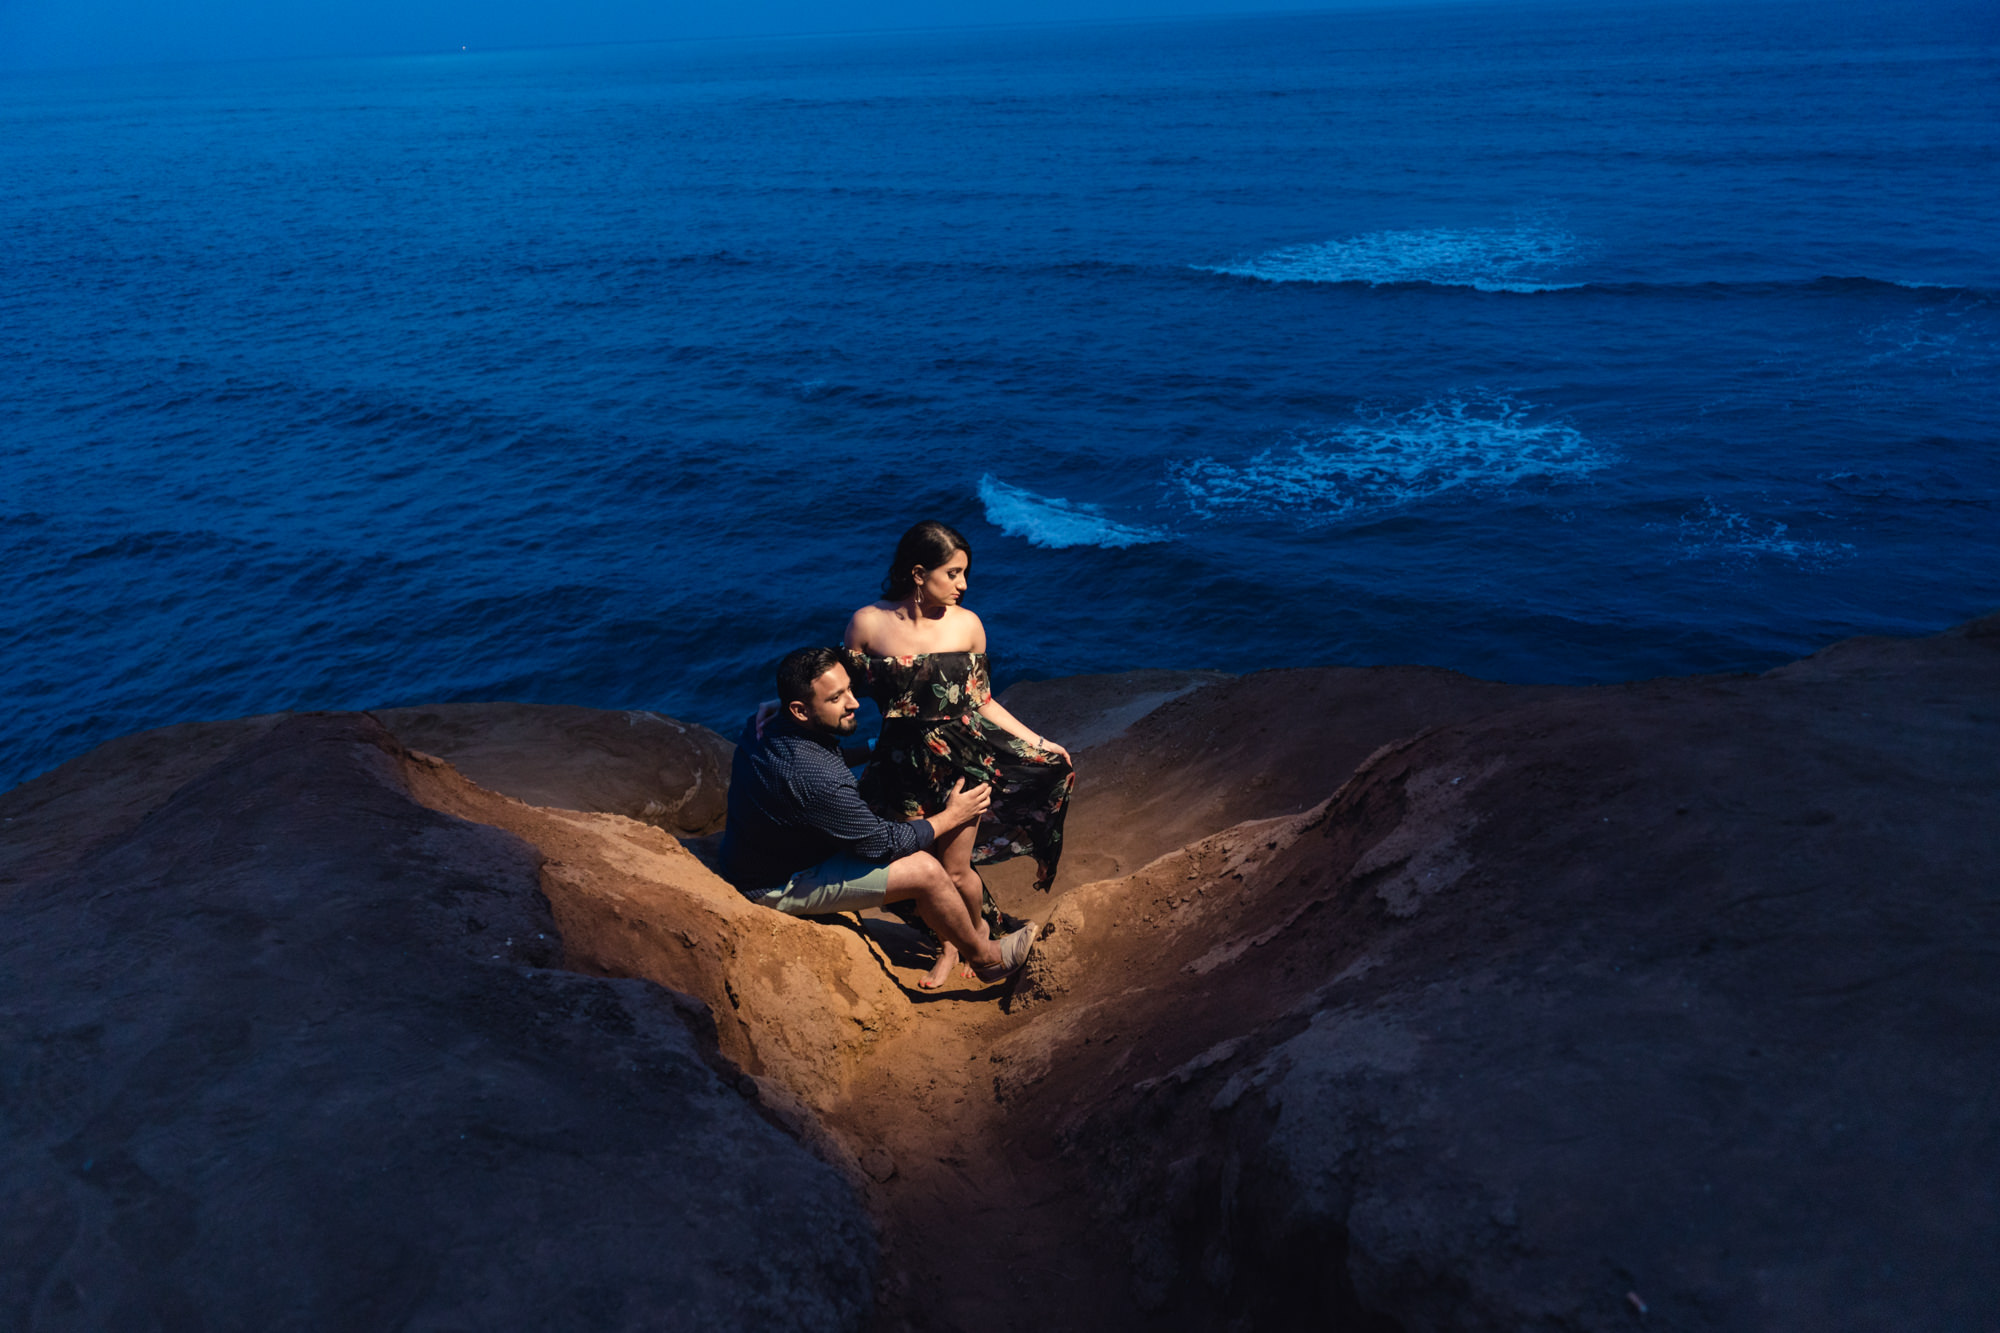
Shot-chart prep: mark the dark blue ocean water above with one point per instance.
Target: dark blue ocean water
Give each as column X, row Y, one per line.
column 1546, row 343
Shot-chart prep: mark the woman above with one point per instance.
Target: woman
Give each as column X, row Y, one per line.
column 922, row 657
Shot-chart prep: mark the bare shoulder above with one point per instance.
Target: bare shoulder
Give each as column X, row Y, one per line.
column 970, row 627
column 862, row 624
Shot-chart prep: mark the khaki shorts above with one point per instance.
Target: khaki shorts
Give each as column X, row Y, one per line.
column 841, row 883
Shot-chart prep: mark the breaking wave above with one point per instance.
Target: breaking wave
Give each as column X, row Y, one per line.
column 1388, row 459
column 1055, row 523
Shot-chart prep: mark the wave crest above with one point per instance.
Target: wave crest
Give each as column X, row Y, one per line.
column 1055, row 523
column 1489, row 259
column 1392, row 458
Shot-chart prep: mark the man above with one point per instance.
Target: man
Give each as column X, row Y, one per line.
column 801, row 840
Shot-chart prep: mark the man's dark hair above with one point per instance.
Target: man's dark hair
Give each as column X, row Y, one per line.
column 801, row 667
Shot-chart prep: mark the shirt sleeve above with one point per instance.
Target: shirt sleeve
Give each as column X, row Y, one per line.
column 838, row 811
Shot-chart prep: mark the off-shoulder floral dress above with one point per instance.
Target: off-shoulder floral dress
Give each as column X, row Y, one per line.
column 933, row 735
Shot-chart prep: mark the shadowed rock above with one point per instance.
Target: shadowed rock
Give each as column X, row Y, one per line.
column 645, row 766
column 286, row 1048
column 1203, row 751
column 1672, row 1001
column 1079, row 712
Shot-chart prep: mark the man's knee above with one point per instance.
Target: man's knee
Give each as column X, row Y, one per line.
column 917, row 872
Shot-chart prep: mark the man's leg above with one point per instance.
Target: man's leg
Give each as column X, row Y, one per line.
column 943, row 906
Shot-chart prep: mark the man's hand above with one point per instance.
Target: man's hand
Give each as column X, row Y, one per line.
column 964, row 806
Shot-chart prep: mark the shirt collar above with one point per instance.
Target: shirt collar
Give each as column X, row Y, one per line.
column 785, row 725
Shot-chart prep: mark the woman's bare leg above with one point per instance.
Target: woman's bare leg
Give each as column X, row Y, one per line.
column 954, row 852
column 940, row 970
column 942, row 906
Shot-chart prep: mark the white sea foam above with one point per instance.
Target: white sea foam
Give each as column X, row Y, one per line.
column 1055, row 523
column 1386, row 459
column 1489, row 259
column 1714, row 531
column 1962, row 337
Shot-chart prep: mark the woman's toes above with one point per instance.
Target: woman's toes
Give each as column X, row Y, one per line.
column 940, row 970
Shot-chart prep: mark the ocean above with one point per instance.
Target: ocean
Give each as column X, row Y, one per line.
column 1544, row 342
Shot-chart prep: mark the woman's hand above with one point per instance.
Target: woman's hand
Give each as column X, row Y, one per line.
column 765, row 712
column 1047, row 746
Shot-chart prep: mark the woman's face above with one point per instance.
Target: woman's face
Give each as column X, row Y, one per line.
column 944, row 584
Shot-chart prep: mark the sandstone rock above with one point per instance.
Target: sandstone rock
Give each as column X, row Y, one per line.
column 645, row 766
column 1079, row 712
column 1392, row 1000
column 798, row 1004
column 282, row 1047
column 1222, row 750
column 52, row 820
column 1675, row 995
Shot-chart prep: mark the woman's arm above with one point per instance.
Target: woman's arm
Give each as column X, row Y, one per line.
column 996, row 712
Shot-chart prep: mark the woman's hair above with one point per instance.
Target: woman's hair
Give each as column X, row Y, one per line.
column 930, row 543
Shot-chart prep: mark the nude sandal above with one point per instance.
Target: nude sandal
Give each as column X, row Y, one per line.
column 1014, row 951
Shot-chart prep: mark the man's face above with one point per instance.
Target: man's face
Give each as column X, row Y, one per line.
column 832, row 706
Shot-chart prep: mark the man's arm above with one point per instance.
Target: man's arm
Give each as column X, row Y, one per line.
column 836, row 809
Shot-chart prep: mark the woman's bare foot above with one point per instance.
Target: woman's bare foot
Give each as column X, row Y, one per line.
column 940, row 970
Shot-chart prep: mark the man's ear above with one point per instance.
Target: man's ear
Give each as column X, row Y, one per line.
column 797, row 709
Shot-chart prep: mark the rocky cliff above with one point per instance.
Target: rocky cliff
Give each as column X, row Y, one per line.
column 1370, row 999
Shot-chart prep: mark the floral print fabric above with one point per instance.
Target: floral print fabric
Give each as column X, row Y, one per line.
column 933, row 735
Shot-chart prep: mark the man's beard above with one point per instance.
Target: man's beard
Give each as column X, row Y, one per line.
column 845, row 727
